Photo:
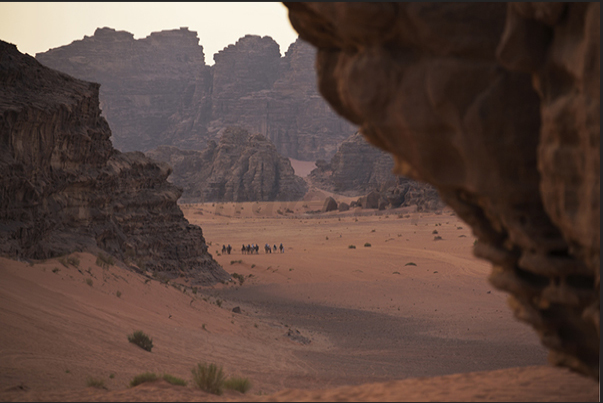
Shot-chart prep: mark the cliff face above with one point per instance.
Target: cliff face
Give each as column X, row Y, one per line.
column 241, row 167
column 356, row 169
column 497, row 106
column 65, row 188
column 159, row 91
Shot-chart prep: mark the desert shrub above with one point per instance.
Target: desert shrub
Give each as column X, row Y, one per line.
column 104, row 261
column 89, row 282
column 209, row 378
column 236, row 261
column 367, row 245
column 237, row 383
column 410, row 264
column 252, row 266
column 111, row 376
column 118, row 293
column 74, row 261
column 142, row 378
column 95, row 383
column 174, row 380
column 56, row 270
column 239, row 277
column 141, row 340
column 352, row 247
column 396, row 272
column 194, row 290
column 63, row 261
column 219, row 302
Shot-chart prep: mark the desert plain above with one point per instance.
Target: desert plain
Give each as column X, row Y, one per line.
column 361, row 305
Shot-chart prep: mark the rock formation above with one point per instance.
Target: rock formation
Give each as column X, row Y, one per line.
column 64, row 188
column 241, row 167
column 159, row 91
column 356, row 168
column 496, row 105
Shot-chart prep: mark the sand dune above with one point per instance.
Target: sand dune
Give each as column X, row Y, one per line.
column 407, row 318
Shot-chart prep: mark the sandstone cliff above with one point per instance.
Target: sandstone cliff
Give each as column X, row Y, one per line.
column 159, row 91
column 241, row 167
column 64, row 187
column 497, row 106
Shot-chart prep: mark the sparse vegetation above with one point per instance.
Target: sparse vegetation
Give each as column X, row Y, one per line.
column 209, row 378
column 351, row 246
column 111, row 376
column 239, row 277
column 141, row 340
column 252, row 266
column 63, row 261
column 142, row 378
column 396, row 272
column 410, row 264
column 372, row 230
column 367, row 245
column 118, row 293
column 203, row 327
column 56, row 270
column 174, row 380
column 73, row 260
column 219, row 302
column 194, row 290
column 104, row 261
column 236, row 261
column 237, row 383
column 95, row 383
column 89, row 282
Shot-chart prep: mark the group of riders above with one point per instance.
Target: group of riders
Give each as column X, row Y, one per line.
column 253, row 248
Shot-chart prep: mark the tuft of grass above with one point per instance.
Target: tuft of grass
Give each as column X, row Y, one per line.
column 74, row 261
column 239, row 277
column 104, row 261
column 203, row 327
column 63, row 261
column 410, row 264
column 118, row 293
column 142, row 378
column 194, row 290
column 367, row 245
column 351, row 246
column 111, row 376
column 219, row 302
column 252, row 266
column 174, row 380
column 56, row 270
column 236, row 261
column 141, row 340
column 89, row 282
column 209, row 378
column 237, row 383
column 396, row 272
column 95, row 383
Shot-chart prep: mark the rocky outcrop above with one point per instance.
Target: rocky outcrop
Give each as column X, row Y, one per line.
column 356, row 168
column 159, row 91
column 497, row 106
column 329, row 205
column 241, row 167
column 64, row 188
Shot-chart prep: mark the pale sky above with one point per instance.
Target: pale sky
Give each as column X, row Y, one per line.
column 37, row 27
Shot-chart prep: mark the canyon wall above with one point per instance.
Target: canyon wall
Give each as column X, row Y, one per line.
column 496, row 105
column 64, row 187
column 240, row 167
column 159, row 91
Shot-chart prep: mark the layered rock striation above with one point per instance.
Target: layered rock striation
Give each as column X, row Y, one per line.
column 497, row 105
column 240, row 167
column 64, row 187
column 159, row 91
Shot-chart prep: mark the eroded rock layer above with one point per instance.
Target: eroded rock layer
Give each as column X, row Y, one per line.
column 241, row 167
column 159, row 91
column 64, row 187
column 497, row 106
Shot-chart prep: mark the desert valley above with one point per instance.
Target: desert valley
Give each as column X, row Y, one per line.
column 394, row 209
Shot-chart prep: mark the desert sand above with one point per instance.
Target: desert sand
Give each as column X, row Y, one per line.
column 408, row 318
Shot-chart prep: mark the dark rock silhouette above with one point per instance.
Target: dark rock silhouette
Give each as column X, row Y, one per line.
column 64, row 188
column 498, row 106
column 329, row 205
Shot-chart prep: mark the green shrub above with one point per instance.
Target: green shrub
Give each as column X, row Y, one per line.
column 239, row 277
column 56, row 270
column 237, row 383
column 142, row 378
column 174, row 380
column 367, row 245
column 352, row 247
column 236, row 261
column 141, row 340
column 410, row 264
column 194, row 290
column 111, row 376
column 104, row 261
column 63, row 261
column 118, row 293
column 95, row 383
column 209, row 378
column 89, row 282
column 72, row 260
column 219, row 302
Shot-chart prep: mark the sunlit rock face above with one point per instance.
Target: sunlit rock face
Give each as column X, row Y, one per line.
column 240, row 167
column 498, row 107
column 159, row 91
column 64, row 187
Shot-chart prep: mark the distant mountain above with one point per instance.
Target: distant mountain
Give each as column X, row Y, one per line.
column 241, row 167
column 159, row 91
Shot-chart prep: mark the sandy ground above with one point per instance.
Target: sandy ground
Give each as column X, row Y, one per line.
column 408, row 318
column 302, row 168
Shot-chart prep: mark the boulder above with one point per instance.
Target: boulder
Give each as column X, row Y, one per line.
column 329, row 205
column 343, row 206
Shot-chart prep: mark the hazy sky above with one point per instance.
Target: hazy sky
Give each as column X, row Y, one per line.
column 37, row 27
